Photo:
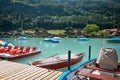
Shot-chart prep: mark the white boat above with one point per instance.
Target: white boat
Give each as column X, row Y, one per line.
column 53, row 40
column 23, row 38
column 82, row 38
column 57, row 38
column 105, row 67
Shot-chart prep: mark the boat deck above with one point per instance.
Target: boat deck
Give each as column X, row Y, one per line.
column 15, row 71
column 98, row 74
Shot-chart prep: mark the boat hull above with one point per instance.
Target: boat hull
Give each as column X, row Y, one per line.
column 53, row 40
column 20, row 56
column 62, row 65
column 83, row 39
column 113, row 41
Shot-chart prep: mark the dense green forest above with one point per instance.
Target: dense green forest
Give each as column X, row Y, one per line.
column 58, row 14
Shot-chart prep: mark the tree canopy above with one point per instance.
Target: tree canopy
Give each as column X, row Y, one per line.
column 58, row 14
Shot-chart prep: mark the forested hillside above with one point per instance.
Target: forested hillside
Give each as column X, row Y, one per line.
column 58, row 14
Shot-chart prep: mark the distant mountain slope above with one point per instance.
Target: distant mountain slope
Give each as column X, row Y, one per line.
column 58, row 14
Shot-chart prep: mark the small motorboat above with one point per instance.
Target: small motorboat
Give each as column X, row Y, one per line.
column 57, row 38
column 57, row 61
column 53, row 40
column 105, row 67
column 10, row 53
column 114, row 40
column 47, row 39
column 83, row 39
column 23, row 38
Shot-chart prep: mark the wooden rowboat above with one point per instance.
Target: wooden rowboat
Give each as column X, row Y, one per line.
column 59, row 61
column 17, row 53
column 105, row 67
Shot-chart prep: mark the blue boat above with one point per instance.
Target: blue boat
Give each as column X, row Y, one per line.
column 23, row 38
column 47, row 39
column 53, row 40
column 105, row 67
column 114, row 40
column 82, row 38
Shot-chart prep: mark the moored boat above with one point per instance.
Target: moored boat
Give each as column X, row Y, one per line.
column 105, row 67
column 10, row 53
column 114, row 40
column 82, row 38
column 57, row 62
column 53, row 40
column 57, row 38
column 23, row 38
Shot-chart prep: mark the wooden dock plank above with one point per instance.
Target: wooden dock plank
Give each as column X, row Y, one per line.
column 8, row 70
column 15, row 71
column 11, row 71
column 39, row 74
column 25, row 75
column 55, row 77
column 12, row 68
column 31, row 75
column 49, row 76
column 20, row 74
column 45, row 75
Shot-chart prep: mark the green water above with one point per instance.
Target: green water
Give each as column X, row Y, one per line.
column 63, row 47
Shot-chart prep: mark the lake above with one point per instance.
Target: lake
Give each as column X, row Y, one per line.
column 65, row 44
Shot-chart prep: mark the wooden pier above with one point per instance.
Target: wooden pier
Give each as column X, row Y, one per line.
column 15, row 71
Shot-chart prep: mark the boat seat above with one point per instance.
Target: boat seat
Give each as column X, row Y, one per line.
column 26, row 50
column 101, row 69
column 1, row 49
column 16, row 47
column 95, row 76
column 19, row 50
column 34, row 49
column 5, row 50
column 12, row 51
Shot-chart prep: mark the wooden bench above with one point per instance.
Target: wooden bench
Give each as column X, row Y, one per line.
column 100, row 69
column 95, row 76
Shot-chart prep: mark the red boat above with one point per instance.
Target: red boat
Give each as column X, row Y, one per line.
column 56, row 62
column 10, row 53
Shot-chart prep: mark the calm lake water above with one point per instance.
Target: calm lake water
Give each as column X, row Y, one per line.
column 66, row 44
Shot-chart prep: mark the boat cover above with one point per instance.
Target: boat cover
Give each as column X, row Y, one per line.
column 108, row 58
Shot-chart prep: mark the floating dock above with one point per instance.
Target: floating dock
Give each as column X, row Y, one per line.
column 16, row 71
